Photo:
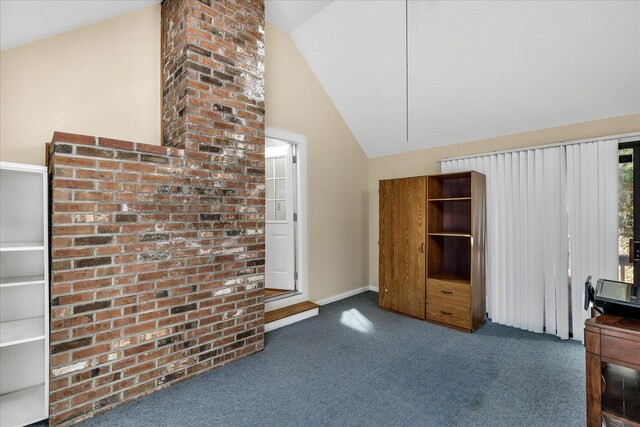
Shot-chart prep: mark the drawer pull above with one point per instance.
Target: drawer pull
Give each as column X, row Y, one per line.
column 447, row 292
column 446, row 313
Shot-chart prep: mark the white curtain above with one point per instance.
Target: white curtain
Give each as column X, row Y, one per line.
column 592, row 200
column 547, row 209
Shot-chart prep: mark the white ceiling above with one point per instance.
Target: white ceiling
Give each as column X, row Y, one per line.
column 25, row 21
column 476, row 69
column 290, row 14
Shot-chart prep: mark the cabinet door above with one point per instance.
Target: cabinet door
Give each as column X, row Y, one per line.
column 402, row 245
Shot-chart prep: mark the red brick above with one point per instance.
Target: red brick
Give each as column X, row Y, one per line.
column 73, row 161
column 71, row 137
column 92, row 351
column 60, row 230
column 71, row 253
column 156, row 149
column 73, row 183
column 116, row 143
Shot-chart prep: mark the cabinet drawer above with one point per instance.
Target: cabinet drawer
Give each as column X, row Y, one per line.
column 447, row 293
column 620, row 349
column 451, row 315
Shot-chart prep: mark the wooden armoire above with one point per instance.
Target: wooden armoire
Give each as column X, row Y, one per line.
column 432, row 248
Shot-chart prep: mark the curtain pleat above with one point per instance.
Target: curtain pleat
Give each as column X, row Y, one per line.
column 493, row 262
column 502, row 300
column 509, row 240
column 562, row 265
column 538, row 239
column 550, row 232
column 592, row 187
column 551, row 221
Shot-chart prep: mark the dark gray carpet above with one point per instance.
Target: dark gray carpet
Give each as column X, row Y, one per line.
column 355, row 364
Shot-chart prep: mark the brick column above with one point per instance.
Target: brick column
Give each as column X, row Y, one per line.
column 213, row 73
column 157, row 252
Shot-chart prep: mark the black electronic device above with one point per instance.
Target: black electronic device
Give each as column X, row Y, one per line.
column 612, row 297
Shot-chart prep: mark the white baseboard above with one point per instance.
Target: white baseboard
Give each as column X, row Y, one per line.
column 344, row 295
column 373, row 288
column 268, row 327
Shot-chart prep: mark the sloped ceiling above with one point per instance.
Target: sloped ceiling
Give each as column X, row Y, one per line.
column 476, row 69
column 25, row 21
column 289, row 15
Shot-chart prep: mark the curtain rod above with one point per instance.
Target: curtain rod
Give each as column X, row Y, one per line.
column 624, row 137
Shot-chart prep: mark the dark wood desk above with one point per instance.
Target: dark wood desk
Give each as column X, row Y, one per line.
column 613, row 371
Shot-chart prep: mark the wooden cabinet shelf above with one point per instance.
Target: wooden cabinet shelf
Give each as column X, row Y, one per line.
column 450, row 218
column 451, row 199
column 428, row 267
column 450, row 186
column 453, row 278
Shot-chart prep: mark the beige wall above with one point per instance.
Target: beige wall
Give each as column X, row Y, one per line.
column 337, row 169
column 425, row 162
column 103, row 80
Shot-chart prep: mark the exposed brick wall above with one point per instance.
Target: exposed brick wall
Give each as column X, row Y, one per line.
column 213, row 72
column 158, row 252
column 157, row 269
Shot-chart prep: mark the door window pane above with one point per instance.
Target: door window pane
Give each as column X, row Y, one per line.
column 270, row 215
column 268, row 166
column 270, row 193
column 281, row 210
column 280, row 167
column 281, row 189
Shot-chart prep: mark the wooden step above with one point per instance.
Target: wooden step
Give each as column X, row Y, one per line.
column 281, row 313
column 295, row 312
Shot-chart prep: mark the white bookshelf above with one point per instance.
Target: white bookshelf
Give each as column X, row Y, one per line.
column 24, row 295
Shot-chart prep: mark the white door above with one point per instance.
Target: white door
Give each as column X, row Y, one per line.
column 280, row 226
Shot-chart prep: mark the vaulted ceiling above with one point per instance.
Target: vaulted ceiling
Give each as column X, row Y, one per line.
column 288, row 14
column 476, row 69
column 25, row 21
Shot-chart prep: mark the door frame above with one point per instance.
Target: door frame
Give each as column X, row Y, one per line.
column 301, row 225
column 635, row 146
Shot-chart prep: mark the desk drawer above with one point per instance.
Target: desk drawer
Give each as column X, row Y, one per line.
column 451, row 315
column 620, row 349
column 446, row 293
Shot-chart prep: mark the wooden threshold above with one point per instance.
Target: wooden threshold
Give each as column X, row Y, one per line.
column 292, row 310
column 269, row 292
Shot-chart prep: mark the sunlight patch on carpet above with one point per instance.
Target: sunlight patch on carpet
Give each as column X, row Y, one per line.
column 357, row 321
